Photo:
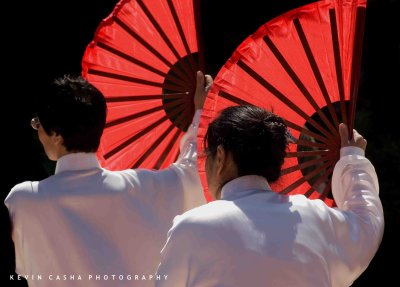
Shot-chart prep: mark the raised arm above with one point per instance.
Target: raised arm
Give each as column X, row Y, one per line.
column 359, row 218
column 354, row 176
column 186, row 165
column 177, row 188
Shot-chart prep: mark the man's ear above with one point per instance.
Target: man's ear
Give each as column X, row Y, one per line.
column 221, row 158
column 226, row 167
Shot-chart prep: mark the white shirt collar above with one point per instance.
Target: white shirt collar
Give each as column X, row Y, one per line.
column 77, row 161
column 242, row 186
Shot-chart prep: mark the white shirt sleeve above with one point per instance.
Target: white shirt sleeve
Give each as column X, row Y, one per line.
column 17, row 204
column 176, row 189
column 186, row 166
column 358, row 219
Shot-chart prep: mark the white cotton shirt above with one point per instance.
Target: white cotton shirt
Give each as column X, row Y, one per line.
column 256, row 237
column 87, row 221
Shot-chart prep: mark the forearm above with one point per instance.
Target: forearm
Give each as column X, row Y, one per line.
column 355, row 184
column 359, row 219
column 186, row 166
column 188, row 144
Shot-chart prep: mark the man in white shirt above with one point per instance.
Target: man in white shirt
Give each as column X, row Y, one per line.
column 85, row 225
column 252, row 236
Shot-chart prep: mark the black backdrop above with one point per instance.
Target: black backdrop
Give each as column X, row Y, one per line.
column 42, row 40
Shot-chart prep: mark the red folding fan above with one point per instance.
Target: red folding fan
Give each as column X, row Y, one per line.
column 144, row 58
column 304, row 66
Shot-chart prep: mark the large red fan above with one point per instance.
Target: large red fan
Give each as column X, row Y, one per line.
column 144, row 58
column 304, row 66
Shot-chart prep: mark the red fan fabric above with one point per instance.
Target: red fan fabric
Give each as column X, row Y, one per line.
column 144, row 57
column 304, row 66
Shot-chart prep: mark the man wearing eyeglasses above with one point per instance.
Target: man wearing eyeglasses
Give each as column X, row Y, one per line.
column 102, row 228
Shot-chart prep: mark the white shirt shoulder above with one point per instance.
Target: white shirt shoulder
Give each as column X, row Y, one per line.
column 20, row 192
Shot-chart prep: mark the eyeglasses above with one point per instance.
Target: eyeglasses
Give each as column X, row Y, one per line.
column 35, row 123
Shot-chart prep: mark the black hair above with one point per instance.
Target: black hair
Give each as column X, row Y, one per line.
column 74, row 109
column 256, row 138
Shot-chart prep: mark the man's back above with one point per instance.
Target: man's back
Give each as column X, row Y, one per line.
column 87, row 221
column 255, row 237
column 86, row 226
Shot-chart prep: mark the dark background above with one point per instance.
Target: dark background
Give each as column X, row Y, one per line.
column 42, row 40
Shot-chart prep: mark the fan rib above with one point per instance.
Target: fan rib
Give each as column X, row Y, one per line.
column 307, row 153
column 183, row 116
column 295, row 184
column 304, row 178
column 177, row 109
column 338, row 63
column 316, row 71
column 319, row 169
column 142, row 41
column 175, row 104
column 182, row 35
column 197, row 20
column 306, row 164
column 153, row 147
column 162, row 34
column 307, row 143
column 147, row 46
column 124, row 78
column 176, row 95
column 175, row 88
column 325, row 178
column 328, row 186
column 309, row 191
column 134, row 138
column 356, row 65
column 233, row 98
column 176, row 157
column 281, row 97
column 133, row 116
column 309, row 133
column 133, row 98
column 322, row 179
column 144, row 97
column 181, row 121
column 182, row 113
column 316, row 171
column 167, row 149
column 278, row 55
column 130, row 58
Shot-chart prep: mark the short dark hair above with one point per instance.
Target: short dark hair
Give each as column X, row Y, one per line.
column 256, row 138
column 75, row 109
